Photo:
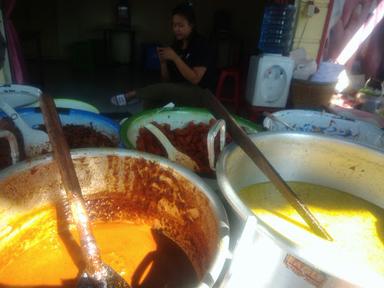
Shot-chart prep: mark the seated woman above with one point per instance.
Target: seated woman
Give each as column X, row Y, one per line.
column 186, row 67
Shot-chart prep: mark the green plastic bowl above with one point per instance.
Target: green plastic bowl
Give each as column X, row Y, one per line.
column 72, row 104
column 176, row 117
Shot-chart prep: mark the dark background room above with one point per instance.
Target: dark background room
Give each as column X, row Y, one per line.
column 84, row 50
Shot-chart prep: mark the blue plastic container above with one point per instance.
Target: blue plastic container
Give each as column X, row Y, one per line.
column 110, row 128
column 277, row 29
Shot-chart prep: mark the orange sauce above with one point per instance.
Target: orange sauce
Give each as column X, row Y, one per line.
column 39, row 256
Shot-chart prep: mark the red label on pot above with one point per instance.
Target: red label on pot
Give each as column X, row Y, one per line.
column 312, row 275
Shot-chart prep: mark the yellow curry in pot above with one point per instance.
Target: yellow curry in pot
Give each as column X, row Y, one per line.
column 357, row 226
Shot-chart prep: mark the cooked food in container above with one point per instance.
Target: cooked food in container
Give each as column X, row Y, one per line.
column 186, row 128
column 356, row 225
column 155, row 223
column 82, row 130
column 341, row 182
column 190, row 140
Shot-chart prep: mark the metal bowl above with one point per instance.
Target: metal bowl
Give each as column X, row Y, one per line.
column 204, row 237
column 309, row 158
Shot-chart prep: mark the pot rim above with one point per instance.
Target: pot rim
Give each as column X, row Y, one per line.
column 217, row 265
column 332, row 265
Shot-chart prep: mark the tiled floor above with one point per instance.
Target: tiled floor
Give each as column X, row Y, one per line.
column 95, row 86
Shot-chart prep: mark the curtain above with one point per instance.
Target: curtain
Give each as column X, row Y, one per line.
column 16, row 59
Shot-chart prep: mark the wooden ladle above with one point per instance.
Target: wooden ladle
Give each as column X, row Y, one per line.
column 97, row 273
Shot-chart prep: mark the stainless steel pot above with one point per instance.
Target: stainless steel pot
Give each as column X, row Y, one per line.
column 275, row 260
column 189, row 212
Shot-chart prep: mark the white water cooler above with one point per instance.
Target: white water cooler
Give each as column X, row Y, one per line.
column 269, row 78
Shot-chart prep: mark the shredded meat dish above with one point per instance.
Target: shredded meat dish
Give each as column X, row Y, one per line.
column 191, row 140
column 78, row 136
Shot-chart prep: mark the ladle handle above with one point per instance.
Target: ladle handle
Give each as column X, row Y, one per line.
column 274, row 118
column 62, row 156
column 13, row 146
column 10, row 112
column 169, row 148
column 239, row 136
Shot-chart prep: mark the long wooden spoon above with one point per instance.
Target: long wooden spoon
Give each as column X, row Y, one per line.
column 239, row 136
column 97, row 273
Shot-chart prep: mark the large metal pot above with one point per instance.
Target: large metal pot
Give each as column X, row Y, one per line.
column 316, row 159
column 189, row 213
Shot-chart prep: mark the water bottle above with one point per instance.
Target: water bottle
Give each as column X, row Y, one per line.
column 277, row 29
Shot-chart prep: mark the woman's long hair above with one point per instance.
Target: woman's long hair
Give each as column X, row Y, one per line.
column 185, row 10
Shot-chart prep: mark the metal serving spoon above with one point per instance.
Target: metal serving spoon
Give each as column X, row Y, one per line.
column 245, row 143
column 97, row 273
column 36, row 142
column 173, row 154
column 274, row 118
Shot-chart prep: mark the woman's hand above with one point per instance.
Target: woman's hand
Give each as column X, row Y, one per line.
column 167, row 53
column 191, row 74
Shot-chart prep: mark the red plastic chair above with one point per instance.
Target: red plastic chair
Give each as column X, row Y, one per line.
column 234, row 97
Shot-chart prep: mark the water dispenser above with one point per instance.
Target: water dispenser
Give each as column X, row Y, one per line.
column 268, row 82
